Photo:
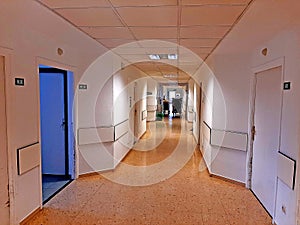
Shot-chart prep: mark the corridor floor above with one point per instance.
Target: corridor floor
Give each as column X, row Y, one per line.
column 190, row 196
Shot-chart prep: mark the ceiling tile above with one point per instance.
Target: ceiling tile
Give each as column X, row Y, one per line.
column 210, row 15
column 108, row 32
column 113, row 43
column 168, row 70
column 152, row 72
column 75, row 3
column 119, row 3
column 200, row 51
column 158, row 43
column 149, row 16
column 161, row 50
column 164, row 42
column 154, row 32
column 155, row 74
column 183, row 74
column 91, row 16
column 148, row 66
column 203, row 31
column 129, row 51
column 135, row 58
column 214, row 2
column 211, row 42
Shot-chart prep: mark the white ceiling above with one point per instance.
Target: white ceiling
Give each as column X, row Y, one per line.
column 198, row 25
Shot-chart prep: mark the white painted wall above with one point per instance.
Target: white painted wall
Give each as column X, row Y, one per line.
column 286, row 44
column 229, row 112
column 32, row 31
column 141, row 105
column 197, row 113
column 28, row 30
column 112, row 99
column 275, row 26
column 205, row 77
column 4, row 196
column 125, row 102
column 190, row 101
column 151, row 99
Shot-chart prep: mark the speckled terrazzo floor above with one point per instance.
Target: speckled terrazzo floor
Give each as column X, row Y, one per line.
column 189, row 197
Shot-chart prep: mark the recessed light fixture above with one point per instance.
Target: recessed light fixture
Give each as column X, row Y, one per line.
column 163, row 56
column 154, row 56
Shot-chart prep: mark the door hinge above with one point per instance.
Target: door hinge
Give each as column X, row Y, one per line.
column 253, row 132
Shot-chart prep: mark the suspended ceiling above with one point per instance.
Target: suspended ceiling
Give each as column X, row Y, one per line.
column 198, row 25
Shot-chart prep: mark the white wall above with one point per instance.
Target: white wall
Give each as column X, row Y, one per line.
column 286, row 44
column 30, row 31
column 190, row 101
column 140, row 106
column 205, row 77
column 151, row 99
column 107, row 103
column 4, row 209
column 125, row 104
column 231, row 92
column 275, row 25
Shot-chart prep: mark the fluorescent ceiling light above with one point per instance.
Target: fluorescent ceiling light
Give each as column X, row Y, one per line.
column 172, row 56
column 154, row 56
column 163, row 56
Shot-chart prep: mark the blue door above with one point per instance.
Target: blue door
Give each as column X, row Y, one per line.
column 53, row 123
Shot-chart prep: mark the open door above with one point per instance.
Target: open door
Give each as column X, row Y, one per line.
column 4, row 193
column 266, row 133
column 53, row 123
column 56, row 129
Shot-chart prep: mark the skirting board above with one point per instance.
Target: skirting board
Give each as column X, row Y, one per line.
column 286, row 170
column 227, row 179
column 28, row 158
column 30, row 216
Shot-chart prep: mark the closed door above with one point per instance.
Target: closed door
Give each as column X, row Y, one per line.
column 136, row 113
column 4, row 198
column 53, row 123
column 267, row 118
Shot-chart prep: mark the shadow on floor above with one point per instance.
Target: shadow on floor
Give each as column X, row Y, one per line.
column 52, row 184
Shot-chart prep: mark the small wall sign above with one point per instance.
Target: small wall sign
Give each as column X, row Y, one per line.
column 286, row 85
column 83, row 86
column 19, row 81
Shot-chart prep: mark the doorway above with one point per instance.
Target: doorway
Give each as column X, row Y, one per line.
column 136, row 114
column 57, row 138
column 4, row 193
column 266, row 133
column 200, row 110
